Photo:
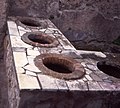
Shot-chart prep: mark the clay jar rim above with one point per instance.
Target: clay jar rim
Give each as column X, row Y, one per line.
column 77, row 70
column 53, row 41
column 38, row 23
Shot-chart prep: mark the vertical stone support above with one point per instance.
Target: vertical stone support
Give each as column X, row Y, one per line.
column 11, row 77
column 3, row 17
column 3, row 74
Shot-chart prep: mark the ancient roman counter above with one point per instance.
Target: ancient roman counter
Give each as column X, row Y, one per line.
column 34, row 85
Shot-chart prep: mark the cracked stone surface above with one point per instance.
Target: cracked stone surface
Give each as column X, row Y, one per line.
column 33, row 83
column 24, row 59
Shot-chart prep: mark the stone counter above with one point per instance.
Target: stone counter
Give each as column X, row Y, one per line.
column 37, row 90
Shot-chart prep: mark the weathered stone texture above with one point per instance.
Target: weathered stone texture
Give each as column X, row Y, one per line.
column 63, row 99
column 3, row 75
column 3, row 88
column 37, row 90
column 89, row 24
column 12, row 84
column 3, row 16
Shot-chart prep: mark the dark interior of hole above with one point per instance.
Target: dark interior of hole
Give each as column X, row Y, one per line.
column 60, row 68
column 30, row 23
column 109, row 69
column 35, row 38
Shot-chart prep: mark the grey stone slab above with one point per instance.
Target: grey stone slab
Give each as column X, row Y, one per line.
column 107, row 86
column 56, row 32
column 42, row 30
column 47, row 82
column 88, row 71
column 83, row 84
column 23, row 29
column 85, row 79
column 21, row 32
column 92, row 67
column 35, row 48
column 32, row 68
column 66, row 44
column 76, row 85
column 50, row 50
column 49, row 31
column 31, row 59
column 51, row 26
column 117, row 84
column 20, row 70
column 18, row 49
column 83, row 63
column 95, row 77
column 27, row 82
column 94, row 86
column 12, row 27
column 61, row 84
column 101, row 75
column 34, row 30
column 99, row 54
column 20, row 59
column 57, row 35
column 108, row 80
column 88, row 77
column 32, row 52
column 17, row 42
column 30, row 73
column 50, row 23
column 72, row 53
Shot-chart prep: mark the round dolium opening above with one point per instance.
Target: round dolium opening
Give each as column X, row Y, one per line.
column 39, row 39
column 30, row 23
column 111, row 69
column 58, row 65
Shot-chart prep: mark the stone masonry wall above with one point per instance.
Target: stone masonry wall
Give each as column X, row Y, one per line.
column 3, row 76
column 3, row 27
column 89, row 24
column 12, row 84
column 63, row 99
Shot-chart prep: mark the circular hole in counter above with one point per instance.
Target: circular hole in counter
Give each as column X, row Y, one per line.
column 59, row 66
column 39, row 39
column 30, row 23
column 108, row 68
